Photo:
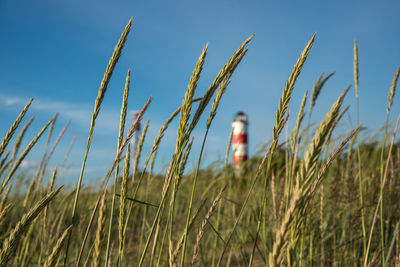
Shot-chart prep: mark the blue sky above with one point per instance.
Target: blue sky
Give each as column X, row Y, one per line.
column 57, row 51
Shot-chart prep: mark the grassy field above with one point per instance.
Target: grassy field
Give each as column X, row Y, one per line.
column 310, row 199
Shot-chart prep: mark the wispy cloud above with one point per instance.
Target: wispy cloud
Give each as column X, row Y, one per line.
column 28, row 164
column 78, row 113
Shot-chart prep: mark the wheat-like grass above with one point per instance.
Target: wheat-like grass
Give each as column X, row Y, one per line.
column 68, row 152
column 18, row 141
column 205, row 222
column 50, row 132
column 229, row 67
column 4, row 163
column 13, row 127
column 222, row 89
column 379, row 204
column 101, row 221
column 303, row 194
column 288, row 89
column 124, row 107
column 122, row 119
column 184, row 161
column 301, row 197
column 103, row 87
column 392, row 90
column 41, row 167
column 133, row 128
column 317, row 89
column 26, row 245
column 176, row 187
column 100, row 96
column 53, row 148
column 283, row 232
column 160, row 135
column 308, row 169
column 248, row 194
column 153, row 155
column 187, row 101
column 51, row 261
column 355, row 64
column 52, row 180
column 328, row 163
column 4, row 211
column 181, row 139
column 5, row 197
column 124, row 188
column 222, row 85
column 335, row 123
column 315, row 92
column 33, row 182
column 129, row 135
column 273, row 196
column 9, row 245
column 322, row 224
column 192, row 220
column 22, row 156
column 167, row 182
column 280, row 121
column 228, row 148
column 300, row 117
column 294, row 145
column 177, row 182
column 360, row 175
column 49, row 189
column 139, row 151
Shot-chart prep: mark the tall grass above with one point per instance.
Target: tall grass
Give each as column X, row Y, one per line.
column 209, row 214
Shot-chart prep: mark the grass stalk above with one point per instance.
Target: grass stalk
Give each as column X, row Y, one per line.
column 279, row 122
column 108, row 175
column 22, row 156
column 100, row 96
column 99, row 240
column 13, row 128
column 359, row 175
column 120, row 137
column 124, row 188
column 378, row 206
column 9, row 245
column 51, row 261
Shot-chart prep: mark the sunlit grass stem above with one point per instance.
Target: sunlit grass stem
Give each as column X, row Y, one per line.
column 359, row 175
column 22, row 156
column 392, row 92
column 279, row 122
column 124, row 107
column 125, row 142
column 13, row 128
column 100, row 96
column 121, row 220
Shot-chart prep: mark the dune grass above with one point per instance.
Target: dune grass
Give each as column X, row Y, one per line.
column 319, row 198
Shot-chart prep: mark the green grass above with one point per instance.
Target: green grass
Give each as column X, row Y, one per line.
column 315, row 199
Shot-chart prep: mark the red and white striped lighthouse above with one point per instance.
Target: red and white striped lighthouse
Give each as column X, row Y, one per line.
column 240, row 139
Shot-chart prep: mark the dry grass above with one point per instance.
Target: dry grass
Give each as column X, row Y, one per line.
column 247, row 223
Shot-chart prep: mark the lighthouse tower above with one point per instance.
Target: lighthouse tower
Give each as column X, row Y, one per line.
column 240, row 139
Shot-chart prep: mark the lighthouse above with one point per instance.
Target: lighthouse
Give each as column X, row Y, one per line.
column 240, row 138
